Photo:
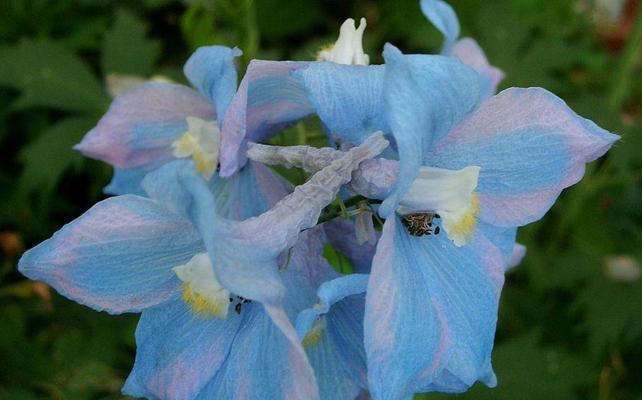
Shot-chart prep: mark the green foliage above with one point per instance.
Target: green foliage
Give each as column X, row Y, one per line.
column 126, row 50
column 567, row 329
column 49, row 75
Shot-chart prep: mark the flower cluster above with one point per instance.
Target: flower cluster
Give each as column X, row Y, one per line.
column 224, row 258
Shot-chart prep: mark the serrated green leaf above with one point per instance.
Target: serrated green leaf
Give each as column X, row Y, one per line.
column 49, row 75
column 47, row 158
column 126, row 50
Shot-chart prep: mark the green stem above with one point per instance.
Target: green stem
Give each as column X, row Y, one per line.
column 627, row 64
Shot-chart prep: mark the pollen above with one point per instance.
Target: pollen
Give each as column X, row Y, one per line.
column 462, row 228
column 201, row 305
column 313, row 337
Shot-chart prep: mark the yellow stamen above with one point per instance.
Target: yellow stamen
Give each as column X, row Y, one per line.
column 313, row 337
column 201, row 305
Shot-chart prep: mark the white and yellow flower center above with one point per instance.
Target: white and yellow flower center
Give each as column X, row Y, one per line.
column 201, row 290
column 451, row 195
column 201, row 141
column 348, row 48
column 313, row 336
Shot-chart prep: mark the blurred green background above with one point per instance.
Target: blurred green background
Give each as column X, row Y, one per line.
column 571, row 314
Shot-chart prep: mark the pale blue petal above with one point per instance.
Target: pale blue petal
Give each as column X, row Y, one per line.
column 530, row 146
column 468, row 51
column 212, row 71
column 425, row 97
column 431, row 310
column 328, row 294
column 306, row 270
column 262, row 364
column 442, row 15
column 268, row 99
column 347, row 98
column 141, row 125
column 179, row 352
column 327, row 359
column 126, row 181
column 341, row 235
column 117, row 256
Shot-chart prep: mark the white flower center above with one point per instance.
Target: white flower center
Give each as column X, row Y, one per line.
column 348, row 48
column 449, row 194
column 201, row 141
column 201, row 290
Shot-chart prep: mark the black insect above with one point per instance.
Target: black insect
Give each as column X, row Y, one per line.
column 239, row 304
column 420, row 224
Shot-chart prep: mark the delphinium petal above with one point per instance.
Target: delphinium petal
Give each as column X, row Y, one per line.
column 444, row 344
column 211, row 70
column 126, row 181
column 117, row 256
column 530, row 146
column 426, row 97
column 268, row 99
column 347, row 98
column 442, row 15
column 141, row 125
column 178, row 352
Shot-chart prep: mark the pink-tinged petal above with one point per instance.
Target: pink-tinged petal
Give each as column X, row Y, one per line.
column 469, row 52
column 117, row 257
column 267, row 100
column 519, row 252
column 263, row 362
column 431, row 310
column 140, row 126
column 178, row 352
column 530, row 146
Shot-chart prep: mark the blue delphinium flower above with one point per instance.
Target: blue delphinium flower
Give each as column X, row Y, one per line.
column 473, row 167
column 155, row 123
column 175, row 257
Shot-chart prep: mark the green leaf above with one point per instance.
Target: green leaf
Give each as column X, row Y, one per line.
column 47, row 158
column 338, row 261
column 126, row 50
column 49, row 75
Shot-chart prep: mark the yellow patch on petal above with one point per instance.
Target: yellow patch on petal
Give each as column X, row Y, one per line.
column 313, row 337
column 461, row 229
column 202, row 305
column 204, row 165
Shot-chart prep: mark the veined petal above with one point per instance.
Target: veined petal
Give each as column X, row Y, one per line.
column 333, row 332
column 140, row 126
column 263, row 363
column 267, row 100
column 425, row 97
column 469, row 52
column 178, row 353
column 445, row 343
column 117, row 257
column 347, row 98
column 126, row 181
column 212, row 71
column 530, row 146
column 442, row 15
